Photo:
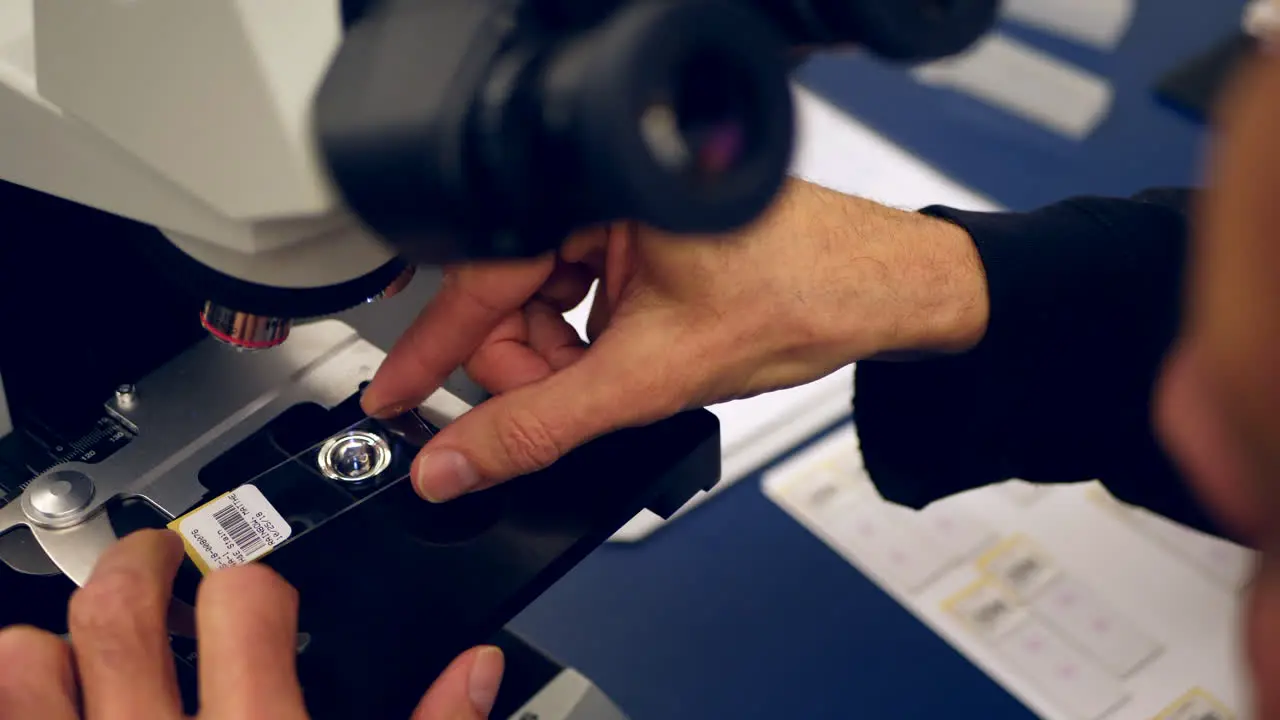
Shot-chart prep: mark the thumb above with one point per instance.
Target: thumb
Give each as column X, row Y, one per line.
column 466, row 690
column 614, row 385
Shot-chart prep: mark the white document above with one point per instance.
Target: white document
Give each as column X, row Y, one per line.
column 1118, row 643
column 1080, row 606
column 1098, row 23
column 1021, row 80
column 1056, row 667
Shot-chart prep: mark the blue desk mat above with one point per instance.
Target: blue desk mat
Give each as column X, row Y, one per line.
column 737, row 611
column 1141, row 144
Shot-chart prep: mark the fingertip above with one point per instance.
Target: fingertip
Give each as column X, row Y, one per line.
column 248, row 643
column 173, row 547
column 231, row 586
column 169, row 546
column 441, row 475
column 485, row 678
column 31, row 656
column 369, row 403
column 27, row 644
column 468, row 687
column 172, row 541
column 152, row 542
column 375, row 404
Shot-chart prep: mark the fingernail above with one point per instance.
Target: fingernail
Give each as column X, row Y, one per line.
column 486, row 676
column 381, row 411
column 443, row 475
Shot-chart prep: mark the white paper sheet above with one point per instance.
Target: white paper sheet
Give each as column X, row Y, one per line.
column 1099, row 23
column 1080, row 606
column 1024, row 81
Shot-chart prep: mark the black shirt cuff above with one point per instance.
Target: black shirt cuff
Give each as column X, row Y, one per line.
column 1085, row 298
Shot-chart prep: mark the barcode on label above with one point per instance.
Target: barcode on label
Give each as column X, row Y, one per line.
column 991, row 613
column 234, row 525
column 1019, row 565
column 232, row 529
column 1022, row 570
column 986, row 609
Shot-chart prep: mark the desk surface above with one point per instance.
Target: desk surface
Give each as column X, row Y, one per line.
column 737, row 611
column 1140, row 144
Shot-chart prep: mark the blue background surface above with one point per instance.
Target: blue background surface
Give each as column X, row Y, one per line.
column 1142, row 143
column 736, row 611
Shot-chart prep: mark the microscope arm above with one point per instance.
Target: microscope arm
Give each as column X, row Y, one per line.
column 191, row 117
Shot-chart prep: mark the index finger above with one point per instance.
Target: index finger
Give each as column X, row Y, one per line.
column 36, row 676
column 119, row 632
column 248, row 619
column 470, row 304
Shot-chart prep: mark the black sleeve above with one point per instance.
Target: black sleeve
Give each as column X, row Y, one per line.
column 1085, row 303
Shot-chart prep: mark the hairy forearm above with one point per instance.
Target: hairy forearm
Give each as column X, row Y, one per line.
column 891, row 282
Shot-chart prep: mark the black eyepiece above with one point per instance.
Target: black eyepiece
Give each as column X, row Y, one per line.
column 675, row 114
column 473, row 129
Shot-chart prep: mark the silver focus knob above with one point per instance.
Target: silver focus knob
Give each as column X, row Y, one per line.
column 244, row 331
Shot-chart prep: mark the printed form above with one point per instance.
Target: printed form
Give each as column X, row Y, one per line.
column 1081, row 607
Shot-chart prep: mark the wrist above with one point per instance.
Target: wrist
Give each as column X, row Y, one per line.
column 952, row 304
column 909, row 284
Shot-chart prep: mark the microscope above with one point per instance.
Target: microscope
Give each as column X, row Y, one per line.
column 192, row 191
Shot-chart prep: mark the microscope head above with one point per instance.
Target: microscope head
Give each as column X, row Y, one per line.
column 297, row 159
column 463, row 130
column 194, row 123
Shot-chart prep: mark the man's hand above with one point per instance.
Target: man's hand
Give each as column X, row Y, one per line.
column 118, row 665
column 821, row 281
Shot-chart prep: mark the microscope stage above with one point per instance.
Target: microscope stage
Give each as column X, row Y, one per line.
column 391, row 587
